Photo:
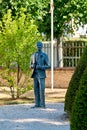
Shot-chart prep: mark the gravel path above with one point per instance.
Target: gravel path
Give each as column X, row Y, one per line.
column 23, row 117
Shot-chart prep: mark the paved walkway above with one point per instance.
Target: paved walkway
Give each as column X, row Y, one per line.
column 22, row 117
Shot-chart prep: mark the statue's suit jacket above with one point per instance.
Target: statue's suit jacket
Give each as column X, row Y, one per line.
column 41, row 60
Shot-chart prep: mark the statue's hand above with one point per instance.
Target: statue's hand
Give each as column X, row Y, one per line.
column 39, row 67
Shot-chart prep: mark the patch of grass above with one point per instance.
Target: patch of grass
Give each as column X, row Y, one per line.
column 24, row 100
column 9, row 101
column 55, row 100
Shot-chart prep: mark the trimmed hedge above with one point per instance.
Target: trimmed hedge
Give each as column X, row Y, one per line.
column 78, row 117
column 74, row 82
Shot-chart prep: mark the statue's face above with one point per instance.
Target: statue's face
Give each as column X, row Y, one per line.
column 39, row 46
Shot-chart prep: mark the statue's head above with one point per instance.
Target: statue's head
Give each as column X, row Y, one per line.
column 39, row 46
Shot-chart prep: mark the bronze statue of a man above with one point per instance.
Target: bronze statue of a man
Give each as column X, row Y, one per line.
column 39, row 64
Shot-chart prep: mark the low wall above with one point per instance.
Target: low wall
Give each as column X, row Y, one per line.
column 62, row 77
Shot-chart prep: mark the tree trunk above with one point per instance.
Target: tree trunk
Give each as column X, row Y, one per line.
column 18, row 79
column 58, row 43
column 59, row 52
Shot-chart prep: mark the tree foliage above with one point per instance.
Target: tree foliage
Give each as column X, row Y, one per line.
column 17, row 38
column 17, row 42
column 64, row 12
column 79, row 7
column 75, row 81
column 79, row 110
column 36, row 7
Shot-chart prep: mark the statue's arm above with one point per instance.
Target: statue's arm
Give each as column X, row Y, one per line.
column 47, row 63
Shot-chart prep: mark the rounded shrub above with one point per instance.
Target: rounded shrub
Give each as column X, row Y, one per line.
column 78, row 117
column 74, row 82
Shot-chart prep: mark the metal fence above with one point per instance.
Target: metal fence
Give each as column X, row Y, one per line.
column 47, row 50
column 71, row 52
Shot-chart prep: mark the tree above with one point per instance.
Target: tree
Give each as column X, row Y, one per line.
column 80, row 11
column 64, row 12
column 17, row 42
column 78, row 117
column 75, row 81
column 37, row 8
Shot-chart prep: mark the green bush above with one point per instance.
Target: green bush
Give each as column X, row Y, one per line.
column 18, row 36
column 74, row 82
column 79, row 110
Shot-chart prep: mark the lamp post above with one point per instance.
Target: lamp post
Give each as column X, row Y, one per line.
column 52, row 74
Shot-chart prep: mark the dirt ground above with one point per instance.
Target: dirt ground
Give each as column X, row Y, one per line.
column 55, row 95
column 51, row 95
